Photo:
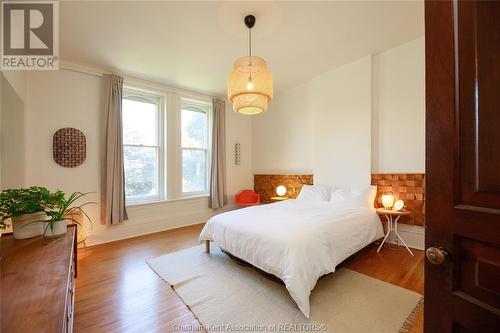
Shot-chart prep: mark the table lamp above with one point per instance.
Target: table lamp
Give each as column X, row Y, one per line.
column 281, row 190
column 388, row 201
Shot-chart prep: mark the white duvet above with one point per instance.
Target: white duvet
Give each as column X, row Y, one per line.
column 297, row 241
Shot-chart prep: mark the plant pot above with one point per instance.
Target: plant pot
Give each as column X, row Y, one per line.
column 22, row 226
column 58, row 229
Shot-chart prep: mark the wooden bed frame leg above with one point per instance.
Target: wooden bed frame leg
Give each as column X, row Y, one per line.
column 207, row 246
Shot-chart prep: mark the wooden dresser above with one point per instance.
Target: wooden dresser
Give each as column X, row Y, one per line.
column 38, row 283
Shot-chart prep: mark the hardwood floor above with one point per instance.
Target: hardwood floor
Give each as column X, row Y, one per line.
column 116, row 291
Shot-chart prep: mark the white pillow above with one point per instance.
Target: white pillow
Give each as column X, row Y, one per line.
column 357, row 197
column 314, row 193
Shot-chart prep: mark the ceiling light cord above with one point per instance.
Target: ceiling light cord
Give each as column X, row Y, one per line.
column 250, row 45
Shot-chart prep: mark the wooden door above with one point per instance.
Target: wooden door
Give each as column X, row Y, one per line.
column 462, row 288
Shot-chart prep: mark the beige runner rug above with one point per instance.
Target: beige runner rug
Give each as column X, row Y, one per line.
column 226, row 296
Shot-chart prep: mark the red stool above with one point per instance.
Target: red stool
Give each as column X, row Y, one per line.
column 247, row 198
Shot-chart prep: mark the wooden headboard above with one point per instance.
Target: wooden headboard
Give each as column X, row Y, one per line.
column 265, row 185
column 409, row 187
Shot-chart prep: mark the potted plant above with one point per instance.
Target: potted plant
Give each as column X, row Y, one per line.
column 62, row 210
column 23, row 207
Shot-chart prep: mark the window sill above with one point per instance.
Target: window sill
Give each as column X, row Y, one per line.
column 166, row 201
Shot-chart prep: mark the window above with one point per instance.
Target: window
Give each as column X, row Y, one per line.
column 195, row 146
column 156, row 155
column 142, row 146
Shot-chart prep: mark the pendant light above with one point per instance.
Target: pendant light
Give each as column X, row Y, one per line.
column 250, row 83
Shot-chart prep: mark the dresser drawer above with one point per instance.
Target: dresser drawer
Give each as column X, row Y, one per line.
column 38, row 279
column 70, row 298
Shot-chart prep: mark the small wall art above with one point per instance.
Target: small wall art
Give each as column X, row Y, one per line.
column 69, row 147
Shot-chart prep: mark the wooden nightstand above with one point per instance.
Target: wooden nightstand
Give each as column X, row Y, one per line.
column 276, row 199
column 392, row 224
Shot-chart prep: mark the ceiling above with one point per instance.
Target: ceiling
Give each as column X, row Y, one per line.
column 194, row 44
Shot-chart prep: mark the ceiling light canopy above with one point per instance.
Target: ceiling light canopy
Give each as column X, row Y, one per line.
column 250, row 83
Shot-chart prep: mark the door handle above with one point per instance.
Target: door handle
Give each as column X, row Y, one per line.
column 436, row 255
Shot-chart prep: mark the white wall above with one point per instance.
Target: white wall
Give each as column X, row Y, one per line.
column 398, row 141
column 12, row 131
column 18, row 81
column 65, row 98
column 58, row 99
column 342, row 125
column 281, row 136
column 238, row 130
column 322, row 127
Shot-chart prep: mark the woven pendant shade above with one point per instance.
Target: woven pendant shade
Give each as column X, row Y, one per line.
column 250, row 85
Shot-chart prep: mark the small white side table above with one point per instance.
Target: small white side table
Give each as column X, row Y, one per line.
column 392, row 225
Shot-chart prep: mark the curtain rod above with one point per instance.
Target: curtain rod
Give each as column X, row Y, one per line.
column 152, row 83
column 80, row 70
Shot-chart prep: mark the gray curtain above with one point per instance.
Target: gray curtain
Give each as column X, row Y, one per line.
column 218, row 197
column 112, row 174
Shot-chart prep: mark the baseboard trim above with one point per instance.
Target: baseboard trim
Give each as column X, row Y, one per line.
column 414, row 236
column 172, row 219
column 94, row 240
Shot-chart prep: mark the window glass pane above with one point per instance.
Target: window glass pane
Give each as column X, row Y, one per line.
column 141, row 171
column 139, row 122
column 194, row 129
column 194, row 170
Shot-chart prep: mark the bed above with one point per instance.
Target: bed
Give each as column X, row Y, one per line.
column 296, row 240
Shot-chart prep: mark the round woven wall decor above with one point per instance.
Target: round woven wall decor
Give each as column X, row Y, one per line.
column 69, row 147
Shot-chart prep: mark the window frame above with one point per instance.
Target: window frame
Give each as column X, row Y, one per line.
column 137, row 94
column 205, row 107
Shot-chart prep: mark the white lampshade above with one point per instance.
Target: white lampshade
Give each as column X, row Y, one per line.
column 281, row 190
column 388, row 201
column 399, row 204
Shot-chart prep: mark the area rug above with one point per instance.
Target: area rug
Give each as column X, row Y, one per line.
column 227, row 296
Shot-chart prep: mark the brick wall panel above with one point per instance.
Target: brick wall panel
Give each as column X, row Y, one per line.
column 266, row 185
column 409, row 187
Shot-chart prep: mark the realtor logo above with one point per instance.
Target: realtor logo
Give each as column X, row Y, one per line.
column 30, row 35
